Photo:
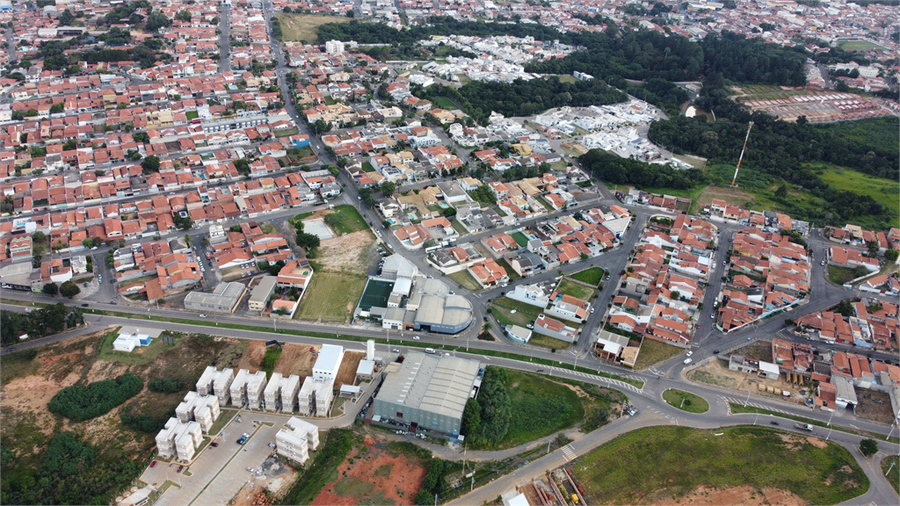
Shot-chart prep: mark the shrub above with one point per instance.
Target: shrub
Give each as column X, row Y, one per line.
column 164, row 386
column 81, row 403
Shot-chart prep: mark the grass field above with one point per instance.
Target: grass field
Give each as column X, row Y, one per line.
column 841, row 275
column 140, row 356
column 465, row 280
column 332, row 297
column 740, row 408
column 548, row 342
column 286, row 132
column 513, row 275
column 445, row 103
column 297, row 27
column 885, row 191
column 591, row 276
column 192, row 115
column 858, row 45
column 582, row 292
column 664, row 464
column 525, row 313
column 539, row 407
column 685, row 401
column 894, row 476
column 652, row 352
column 350, row 220
column 520, row 239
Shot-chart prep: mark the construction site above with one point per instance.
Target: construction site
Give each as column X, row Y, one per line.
column 817, row 106
column 558, row 488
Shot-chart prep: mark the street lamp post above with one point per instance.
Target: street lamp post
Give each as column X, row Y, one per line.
column 893, row 426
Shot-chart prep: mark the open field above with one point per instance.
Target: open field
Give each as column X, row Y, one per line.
column 520, row 239
column 332, row 297
column 297, row 27
column 591, row 276
column 576, row 290
column 841, row 275
column 253, row 356
column 653, row 352
column 548, row 342
column 858, row 45
column 347, row 373
column 885, row 191
column 524, row 313
column 295, row 359
column 539, row 407
column 371, row 474
column 139, row 356
column 666, row 465
column 349, row 220
column 121, row 452
column 465, row 280
column 685, row 401
column 347, row 253
column 732, row 196
column 445, row 103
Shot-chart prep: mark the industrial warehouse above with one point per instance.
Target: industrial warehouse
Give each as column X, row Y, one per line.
column 427, row 392
column 404, row 299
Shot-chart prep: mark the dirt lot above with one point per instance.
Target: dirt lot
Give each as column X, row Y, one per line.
column 252, row 358
column 745, row 496
column 295, row 359
column 758, row 350
column 874, row 405
column 346, row 253
column 731, row 196
column 275, row 477
column 714, row 373
column 347, row 373
column 372, row 475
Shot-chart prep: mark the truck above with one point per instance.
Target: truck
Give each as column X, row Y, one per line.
column 804, row 426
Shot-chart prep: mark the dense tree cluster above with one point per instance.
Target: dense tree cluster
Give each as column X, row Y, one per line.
column 40, row 322
column 165, row 386
column 432, row 483
column 143, row 423
column 614, row 169
column 71, row 472
column 491, row 424
column 81, row 403
column 746, row 60
column 379, row 33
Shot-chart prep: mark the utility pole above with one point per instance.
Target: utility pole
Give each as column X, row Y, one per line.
column 741, row 158
column 893, row 425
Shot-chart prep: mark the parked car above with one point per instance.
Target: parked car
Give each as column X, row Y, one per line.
column 395, row 350
column 179, row 469
column 715, row 352
column 85, row 305
column 773, row 422
column 214, row 444
column 203, row 316
column 416, row 338
column 153, row 464
column 687, row 361
column 689, row 353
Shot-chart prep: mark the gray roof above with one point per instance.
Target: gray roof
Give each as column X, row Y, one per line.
column 262, row 291
column 452, row 310
column 439, row 385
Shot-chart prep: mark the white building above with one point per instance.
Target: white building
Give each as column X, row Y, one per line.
column 334, row 47
column 296, row 439
column 203, row 409
column 273, row 392
column 328, row 362
column 238, row 389
column 256, row 385
column 179, row 439
column 290, row 387
column 216, row 382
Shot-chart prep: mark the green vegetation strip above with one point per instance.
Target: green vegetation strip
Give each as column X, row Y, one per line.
column 322, row 469
column 892, row 473
column 686, row 401
column 591, row 276
column 740, row 408
column 672, row 462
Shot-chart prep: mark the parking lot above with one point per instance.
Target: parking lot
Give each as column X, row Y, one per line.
column 220, row 472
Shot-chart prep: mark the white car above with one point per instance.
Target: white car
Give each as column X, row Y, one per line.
column 689, row 353
column 687, row 361
column 203, row 316
column 512, row 311
column 416, row 338
column 712, row 316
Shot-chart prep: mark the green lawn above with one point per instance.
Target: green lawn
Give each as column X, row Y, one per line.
column 459, row 228
column 444, row 103
column 139, row 356
column 841, row 275
column 297, row 27
column 656, row 464
column 524, row 313
column 192, row 115
column 286, row 132
column 332, row 297
column 652, row 352
column 465, row 280
column 367, row 167
column 685, row 401
column 591, row 276
column 225, row 416
column 858, row 45
column 894, row 476
column 885, row 191
column 548, row 342
column 546, row 204
column 520, row 239
column 513, row 275
column 567, row 287
column 350, row 220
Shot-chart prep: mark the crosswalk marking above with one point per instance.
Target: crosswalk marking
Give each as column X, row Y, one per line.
column 618, row 383
column 569, row 453
column 729, row 400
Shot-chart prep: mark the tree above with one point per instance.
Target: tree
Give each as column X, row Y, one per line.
column 69, row 289
column 66, row 18
column 781, row 192
column 30, row 113
column 150, row 164
column 184, row 16
column 157, row 20
column 872, row 247
column 57, row 108
column 388, row 188
column 891, row 255
column 309, row 242
column 868, row 447
column 50, row 289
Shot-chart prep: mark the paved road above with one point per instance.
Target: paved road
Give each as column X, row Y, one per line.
column 225, row 39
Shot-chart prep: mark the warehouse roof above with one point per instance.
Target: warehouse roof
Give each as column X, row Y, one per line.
column 262, row 291
column 439, row 385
